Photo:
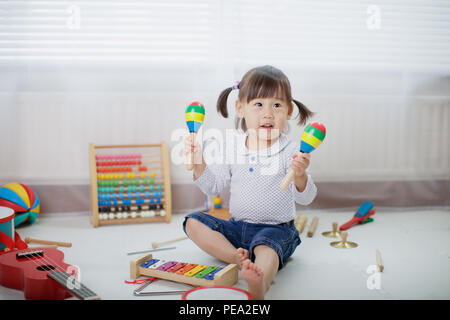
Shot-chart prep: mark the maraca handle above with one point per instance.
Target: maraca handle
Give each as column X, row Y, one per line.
column 287, row 179
column 190, row 163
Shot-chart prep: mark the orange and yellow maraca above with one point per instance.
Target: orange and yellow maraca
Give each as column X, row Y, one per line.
column 312, row 137
column 195, row 114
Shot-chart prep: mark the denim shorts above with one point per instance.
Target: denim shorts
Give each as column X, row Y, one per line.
column 283, row 238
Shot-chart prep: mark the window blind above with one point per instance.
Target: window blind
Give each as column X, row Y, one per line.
column 107, row 30
column 404, row 33
column 378, row 33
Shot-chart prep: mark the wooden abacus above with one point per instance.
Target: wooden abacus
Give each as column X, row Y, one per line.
column 190, row 273
column 130, row 187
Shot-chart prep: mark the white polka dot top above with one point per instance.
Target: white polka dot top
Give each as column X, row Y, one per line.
column 254, row 178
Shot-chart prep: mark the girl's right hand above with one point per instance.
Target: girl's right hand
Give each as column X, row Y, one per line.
column 193, row 153
column 191, row 146
column 199, row 165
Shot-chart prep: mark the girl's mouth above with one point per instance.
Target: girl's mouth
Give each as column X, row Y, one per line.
column 267, row 126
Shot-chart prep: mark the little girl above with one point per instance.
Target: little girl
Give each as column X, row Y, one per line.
column 261, row 235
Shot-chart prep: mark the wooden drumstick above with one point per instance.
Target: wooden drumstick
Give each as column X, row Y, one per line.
column 57, row 243
column 301, row 222
column 313, row 226
column 380, row 266
column 157, row 244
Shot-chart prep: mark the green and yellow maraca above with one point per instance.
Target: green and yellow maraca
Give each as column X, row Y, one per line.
column 195, row 114
column 312, row 137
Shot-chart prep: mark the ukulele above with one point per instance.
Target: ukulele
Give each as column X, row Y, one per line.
column 42, row 274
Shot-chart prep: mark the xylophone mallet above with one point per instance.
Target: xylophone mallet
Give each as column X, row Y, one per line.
column 157, row 244
column 312, row 137
column 48, row 242
column 195, row 114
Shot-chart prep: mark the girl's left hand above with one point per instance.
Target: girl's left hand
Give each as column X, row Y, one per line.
column 300, row 162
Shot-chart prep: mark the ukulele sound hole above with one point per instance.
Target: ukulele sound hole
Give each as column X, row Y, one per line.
column 46, row 268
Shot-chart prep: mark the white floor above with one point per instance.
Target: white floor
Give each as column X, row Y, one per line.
column 414, row 245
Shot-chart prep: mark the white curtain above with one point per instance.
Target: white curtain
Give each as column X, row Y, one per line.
column 72, row 72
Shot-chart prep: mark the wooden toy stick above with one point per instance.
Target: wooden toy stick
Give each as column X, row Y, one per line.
column 58, row 243
column 157, row 244
column 312, row 227
column 380, row 266
column 301, row 222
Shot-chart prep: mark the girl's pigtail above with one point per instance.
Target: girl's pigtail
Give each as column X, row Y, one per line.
column 303, row 112
column 222, row 102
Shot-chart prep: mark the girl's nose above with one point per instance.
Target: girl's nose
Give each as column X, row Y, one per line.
column 268, row 112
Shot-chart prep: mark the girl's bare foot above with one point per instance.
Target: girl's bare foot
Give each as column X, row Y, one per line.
column 253, row 275
column 243, row 255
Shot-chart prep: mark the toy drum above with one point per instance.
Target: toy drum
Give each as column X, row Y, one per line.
column 6, row 227
column 216, row 293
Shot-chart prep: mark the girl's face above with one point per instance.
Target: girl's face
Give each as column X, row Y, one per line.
column 265, row 117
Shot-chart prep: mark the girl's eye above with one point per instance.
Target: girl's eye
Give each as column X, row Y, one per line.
column 277, row 105
column 258, row 104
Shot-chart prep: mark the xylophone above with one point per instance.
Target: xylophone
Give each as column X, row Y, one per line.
column 190, row 273
column 130, row 183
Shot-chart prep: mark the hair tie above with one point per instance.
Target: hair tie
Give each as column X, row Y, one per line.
column 236, row 86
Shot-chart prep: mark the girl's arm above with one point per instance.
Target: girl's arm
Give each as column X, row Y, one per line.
column 306, row 193
column 199, row 169
column 210, row 179
column 303, row 187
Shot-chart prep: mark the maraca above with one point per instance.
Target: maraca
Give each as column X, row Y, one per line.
column 312, row 137
column 195, row 113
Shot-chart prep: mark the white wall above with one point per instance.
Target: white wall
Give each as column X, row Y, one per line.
column 380, row 125
column 126, row 72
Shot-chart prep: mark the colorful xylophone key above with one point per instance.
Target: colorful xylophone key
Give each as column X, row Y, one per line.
column 183, row 268
column 205, row 272
column 167, row 265
column 211, row 275
column 177, row 267
column 186, row 268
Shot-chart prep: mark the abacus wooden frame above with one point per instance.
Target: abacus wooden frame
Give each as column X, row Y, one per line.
column 167, row 203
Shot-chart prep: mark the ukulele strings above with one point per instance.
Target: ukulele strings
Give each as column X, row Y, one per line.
column 51, row 262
